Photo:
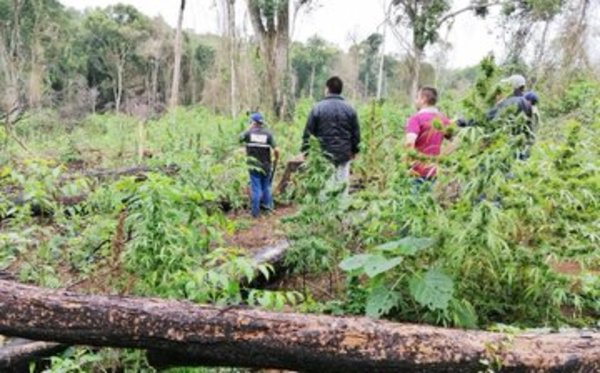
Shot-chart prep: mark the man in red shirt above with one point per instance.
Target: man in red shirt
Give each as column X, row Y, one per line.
column 425, row 133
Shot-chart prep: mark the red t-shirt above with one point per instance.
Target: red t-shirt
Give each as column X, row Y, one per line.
column 429, row 140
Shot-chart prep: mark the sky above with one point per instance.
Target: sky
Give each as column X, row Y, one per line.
column 338, row 21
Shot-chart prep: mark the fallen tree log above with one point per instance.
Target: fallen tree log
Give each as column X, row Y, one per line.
column 212, row 336
column 15, row 195
column 273, row 255
column 16, row 357
column 139, row 171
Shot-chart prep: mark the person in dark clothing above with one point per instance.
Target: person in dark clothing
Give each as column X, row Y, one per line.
column 533, row 122
column 259, row 144
column 517, row 101
column 517, row 98
column 335, row 124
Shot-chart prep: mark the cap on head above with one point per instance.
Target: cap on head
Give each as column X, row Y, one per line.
column 257, row 118
column 516, row 81
column 532, row 97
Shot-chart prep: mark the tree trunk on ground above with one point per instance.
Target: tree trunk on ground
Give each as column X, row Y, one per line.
column 182, row 333
column 177, row 64
column 16, row 358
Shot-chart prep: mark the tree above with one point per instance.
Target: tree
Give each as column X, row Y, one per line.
column 425, row 18
column 203, row 57
column 34, row 38
column 382, row 54
column 113, row 35
column 520, row 18
column 310, row 62
column 232, row 41
column 271, row 23
column 177, row 64
column 370, row 48
column 156, row 51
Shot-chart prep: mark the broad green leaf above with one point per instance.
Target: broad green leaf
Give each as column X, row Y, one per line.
column 407, row 245
column 381, row 301
column 434, row 290
column 377, row 264
column 354, row 262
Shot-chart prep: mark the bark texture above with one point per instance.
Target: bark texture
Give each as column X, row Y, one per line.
column 291, row 167
column 211, row 336
column 16, row 358
column 271, row 24
column 177, row 63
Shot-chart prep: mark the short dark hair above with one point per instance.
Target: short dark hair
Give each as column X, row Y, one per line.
column 335, row 85
column 430, row 94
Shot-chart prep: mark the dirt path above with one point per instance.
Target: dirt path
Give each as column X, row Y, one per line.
column 253, row 234
column 572, row 268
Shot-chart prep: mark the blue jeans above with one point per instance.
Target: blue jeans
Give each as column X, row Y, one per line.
column 260, row 191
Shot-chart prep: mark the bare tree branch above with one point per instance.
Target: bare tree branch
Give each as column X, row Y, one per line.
column 466, row 9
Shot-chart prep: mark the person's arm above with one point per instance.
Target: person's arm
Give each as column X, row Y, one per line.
column 412, row 130
column 410, row 140
column 244, row 137
column 525, row 107
column 355, row 134
column 309, row 129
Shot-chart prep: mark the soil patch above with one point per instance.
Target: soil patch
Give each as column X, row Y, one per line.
column 256, row 233
column 572, row 268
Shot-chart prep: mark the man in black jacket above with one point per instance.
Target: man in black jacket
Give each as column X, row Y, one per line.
column 335, row 124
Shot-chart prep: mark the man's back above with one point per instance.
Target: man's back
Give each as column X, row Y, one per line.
column 335, row 124
column 259, row 142
column 514, row 101
column 429, row 139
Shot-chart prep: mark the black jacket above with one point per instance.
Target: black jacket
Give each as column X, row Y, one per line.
column 335, row 124
column 517, row 100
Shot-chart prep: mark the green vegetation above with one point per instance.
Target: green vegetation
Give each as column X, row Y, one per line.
column 495, row 242
column 484, row 247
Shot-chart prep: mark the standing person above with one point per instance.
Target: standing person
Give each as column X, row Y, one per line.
column 517, row 83
column 335, row 124
column 533, row 100
column 533, row 123
column 259, row 144
column 422, row 134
